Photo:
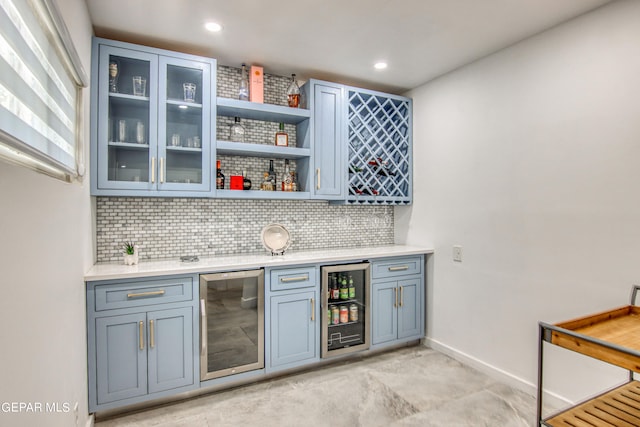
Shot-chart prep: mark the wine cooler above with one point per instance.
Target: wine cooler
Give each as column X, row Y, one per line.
column 345, row 308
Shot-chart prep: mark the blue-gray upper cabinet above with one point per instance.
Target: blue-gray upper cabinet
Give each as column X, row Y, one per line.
column 154, row 138
column 379, row 148
column 327, row 106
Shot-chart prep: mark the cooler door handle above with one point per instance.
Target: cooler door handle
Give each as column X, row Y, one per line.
column 203, row 328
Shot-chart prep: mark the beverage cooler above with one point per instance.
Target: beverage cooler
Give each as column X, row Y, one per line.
column 345, row 308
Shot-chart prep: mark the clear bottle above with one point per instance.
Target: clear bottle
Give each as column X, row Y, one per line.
column 236, row 132
column 293, row 93
column 286, row 177
column 219, row 176
column 282, row 137
column 294, row 181
column 352, row 288
column 243, row 92
column 272, row 176
column 266, row 184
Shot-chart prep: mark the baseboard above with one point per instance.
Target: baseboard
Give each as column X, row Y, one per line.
column 498, row 374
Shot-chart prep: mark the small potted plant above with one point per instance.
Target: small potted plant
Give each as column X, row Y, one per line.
column 130, row 251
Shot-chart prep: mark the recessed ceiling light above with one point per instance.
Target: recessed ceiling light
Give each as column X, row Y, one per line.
column 213, row 26
column 380, row 65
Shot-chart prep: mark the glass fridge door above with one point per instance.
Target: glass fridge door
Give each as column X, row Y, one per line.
column 346, row 302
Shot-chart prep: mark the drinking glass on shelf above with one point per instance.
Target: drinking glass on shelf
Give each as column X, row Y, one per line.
column 175, row 140
column 139, row 85
column 140, row 135
column 122, row 130
column 189, row 92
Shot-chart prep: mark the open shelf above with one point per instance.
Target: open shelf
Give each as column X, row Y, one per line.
column 257, row 194
column 261, row 150
column 257, row 111
column 618, row 407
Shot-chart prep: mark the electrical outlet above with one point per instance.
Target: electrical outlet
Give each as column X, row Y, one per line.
column 457, row 253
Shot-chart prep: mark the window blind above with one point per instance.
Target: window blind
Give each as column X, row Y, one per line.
column 41, row 81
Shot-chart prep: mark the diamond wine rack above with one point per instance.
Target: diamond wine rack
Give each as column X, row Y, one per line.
column 379, row 134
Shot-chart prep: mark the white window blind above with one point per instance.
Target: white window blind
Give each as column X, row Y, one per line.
column 41, row 81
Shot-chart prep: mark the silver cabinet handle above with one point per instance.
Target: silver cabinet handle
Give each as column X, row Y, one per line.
column 313, row 309
column 203, row 327
column 152, row 341
column 161, row 170
column 399, row 268
column 401, row 296
column 318, row 174
column 146, row 294
column 153, row 170
column 141, row 334
column 294, row 279
column 395, row 300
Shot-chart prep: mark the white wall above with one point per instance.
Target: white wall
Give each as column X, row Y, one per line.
column 530, row 159
column 46, row 246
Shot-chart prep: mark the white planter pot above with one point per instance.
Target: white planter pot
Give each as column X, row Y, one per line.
column 131, row 259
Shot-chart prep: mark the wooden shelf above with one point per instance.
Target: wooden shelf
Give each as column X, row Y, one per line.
column 619, row 407
column 612, row 336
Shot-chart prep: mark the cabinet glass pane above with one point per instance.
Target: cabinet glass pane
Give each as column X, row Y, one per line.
column 184, row 124
column 128, row 121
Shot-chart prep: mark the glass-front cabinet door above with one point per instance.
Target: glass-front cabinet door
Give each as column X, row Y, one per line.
column 127, row 119
column 183, row 136
column 153, row 121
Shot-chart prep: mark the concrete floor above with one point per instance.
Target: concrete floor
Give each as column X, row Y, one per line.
column 413, row 386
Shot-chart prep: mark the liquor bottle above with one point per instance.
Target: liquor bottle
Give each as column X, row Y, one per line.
column 272, row 176
column 219, row 176
column 294, row 181
column 293, row 93
column 266, row 184
column 352, row 288
column 363, row 191
column 282, row 138
column 113, row 76
column 286, row 177
column 243, row 92
column 236, row 132
column 246, row 182
column 381, row 167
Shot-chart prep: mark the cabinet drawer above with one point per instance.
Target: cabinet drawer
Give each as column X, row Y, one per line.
column 293, row 278
column 145, row 292
column 396, row 267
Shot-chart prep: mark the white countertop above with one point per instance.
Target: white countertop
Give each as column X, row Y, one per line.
column 244, row 261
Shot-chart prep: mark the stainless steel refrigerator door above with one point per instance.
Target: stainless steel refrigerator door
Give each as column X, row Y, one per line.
column 231, row 323
column 349, row 337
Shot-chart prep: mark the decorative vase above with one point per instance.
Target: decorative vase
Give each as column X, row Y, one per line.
column 133, row 258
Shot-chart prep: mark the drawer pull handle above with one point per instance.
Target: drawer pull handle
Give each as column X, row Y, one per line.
column 399, row 268
column 146, row 294
column 401, row 296
column 152, row 341
column 141, row 334
column 294, row 279
column 395, row 301
column 313, row 309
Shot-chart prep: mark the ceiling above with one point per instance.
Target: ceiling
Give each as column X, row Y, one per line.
column 337, row 40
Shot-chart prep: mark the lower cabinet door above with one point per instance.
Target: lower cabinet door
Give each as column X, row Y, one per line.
column 170, row 348
column 293, row 327
column 121, row 357
column 384, row 312
column 409, row 306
